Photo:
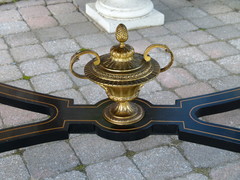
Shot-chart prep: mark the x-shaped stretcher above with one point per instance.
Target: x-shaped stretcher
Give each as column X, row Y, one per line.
column 181, row 119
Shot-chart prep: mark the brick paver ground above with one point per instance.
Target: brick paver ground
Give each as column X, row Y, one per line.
column 37, row 39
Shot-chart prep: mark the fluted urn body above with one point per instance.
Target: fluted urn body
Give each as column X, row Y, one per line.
column 121, row 73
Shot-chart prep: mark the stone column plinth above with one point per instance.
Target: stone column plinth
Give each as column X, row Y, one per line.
column 133, row 13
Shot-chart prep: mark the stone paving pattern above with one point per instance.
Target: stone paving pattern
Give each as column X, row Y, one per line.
column 37, row 39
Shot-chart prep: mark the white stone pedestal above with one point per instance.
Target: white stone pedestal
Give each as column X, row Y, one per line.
column 133, row 13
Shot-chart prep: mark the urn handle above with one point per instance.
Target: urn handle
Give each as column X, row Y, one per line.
column 148, row 58
column 76, row 57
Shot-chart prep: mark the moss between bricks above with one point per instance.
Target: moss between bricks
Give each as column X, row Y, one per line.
column 176, row 142
column 80, row 168
column 7, row 1
column 19, row 152
column 26, row 77
column 50, row 56
column 130, row 154
column 202, row 29
column 84, row 49
column 2, row 3
column 236, row 10
column 204, row 171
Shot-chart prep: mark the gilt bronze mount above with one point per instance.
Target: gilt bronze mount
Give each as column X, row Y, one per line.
column 122, row 73
column 123, row 116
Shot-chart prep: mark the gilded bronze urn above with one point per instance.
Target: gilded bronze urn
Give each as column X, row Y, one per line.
column 122, row 73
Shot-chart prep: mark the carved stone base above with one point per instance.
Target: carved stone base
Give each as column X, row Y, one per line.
column 154, row 18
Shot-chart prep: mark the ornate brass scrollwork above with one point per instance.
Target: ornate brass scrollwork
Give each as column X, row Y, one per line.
column 76, row 57
column 148, row 58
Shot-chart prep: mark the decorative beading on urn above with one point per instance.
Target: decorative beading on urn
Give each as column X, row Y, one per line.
column 122, row 73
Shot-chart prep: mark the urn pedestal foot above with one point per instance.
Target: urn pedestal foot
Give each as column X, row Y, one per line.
column 123, row 113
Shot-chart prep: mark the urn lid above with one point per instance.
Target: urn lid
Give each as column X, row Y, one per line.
column 122, row 66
